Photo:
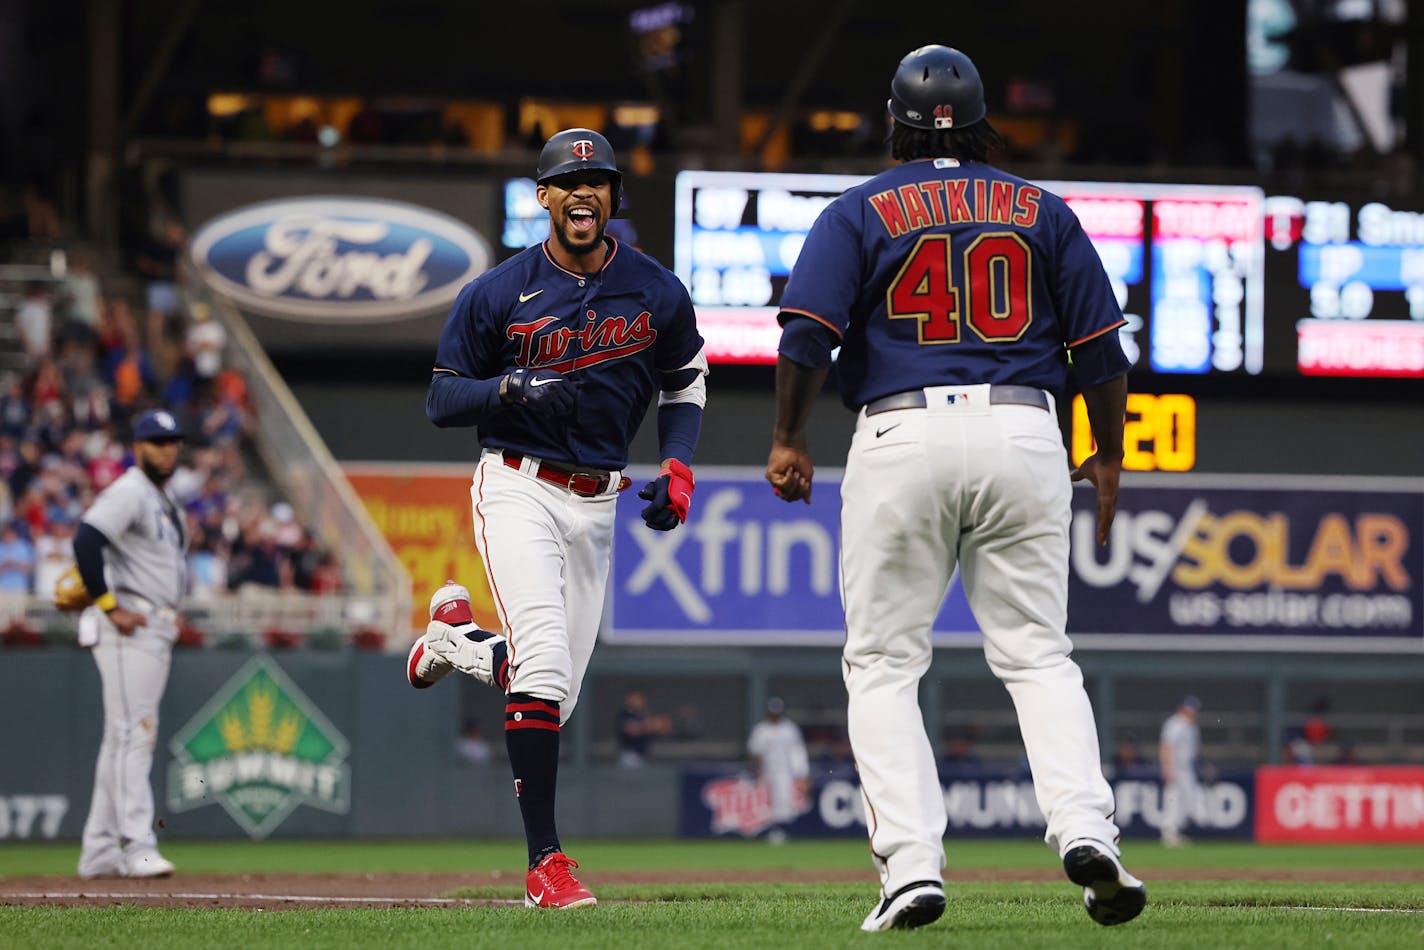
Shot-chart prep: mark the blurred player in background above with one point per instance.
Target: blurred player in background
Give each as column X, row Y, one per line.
column 1177, row 758
column 956, row 293
column 130, row 550
column 779, row 756
column 555, row 356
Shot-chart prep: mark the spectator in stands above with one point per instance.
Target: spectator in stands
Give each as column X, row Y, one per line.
column 221, row 419
column 157, row 260
column 54, row 552
column 207, row 565
column 472, row 746
column 14, row 407
column 79, row 370
column 34, row 318
column 255, row 558
column 205, row 341
column 637, row 727
column 81, row 291
column 17, row 560
column 1317, row 730
column 1296, row 749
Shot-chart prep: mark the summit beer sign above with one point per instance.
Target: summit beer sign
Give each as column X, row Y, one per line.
column 339, row 260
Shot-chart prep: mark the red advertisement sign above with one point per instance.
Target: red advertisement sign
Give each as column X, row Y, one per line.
column 1344, row 804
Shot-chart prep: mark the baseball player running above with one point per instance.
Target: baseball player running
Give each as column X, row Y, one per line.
column 555, row 356
column 957, row 293
column 130, row 553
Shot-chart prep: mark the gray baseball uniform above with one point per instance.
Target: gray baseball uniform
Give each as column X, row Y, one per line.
column 145, row 568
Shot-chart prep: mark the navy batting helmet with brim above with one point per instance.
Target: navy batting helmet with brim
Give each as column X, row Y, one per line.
column 576, row 150
column 938, row 88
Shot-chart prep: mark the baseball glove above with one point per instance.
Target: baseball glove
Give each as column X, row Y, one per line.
column 69, row 591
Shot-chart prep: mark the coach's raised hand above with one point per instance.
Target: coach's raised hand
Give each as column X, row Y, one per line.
column 544, row 391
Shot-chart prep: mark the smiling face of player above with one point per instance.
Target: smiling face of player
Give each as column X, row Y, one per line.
column 579, row 205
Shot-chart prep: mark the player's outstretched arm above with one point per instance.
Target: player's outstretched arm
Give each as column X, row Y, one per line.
column 1107, row 407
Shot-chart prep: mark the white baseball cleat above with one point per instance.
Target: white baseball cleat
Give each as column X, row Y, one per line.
column 453, row 641
column 425, row 667
column 467, row 649
column 109, row 863
column 1110, row 895
column 913, row 905
column 147, row 864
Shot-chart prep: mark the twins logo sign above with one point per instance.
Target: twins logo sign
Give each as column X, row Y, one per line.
column 260, row 748
column 746, row 568
column 339, row 259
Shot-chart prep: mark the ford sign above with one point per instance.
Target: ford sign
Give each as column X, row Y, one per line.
column 333, row 259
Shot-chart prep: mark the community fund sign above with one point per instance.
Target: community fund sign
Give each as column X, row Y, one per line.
column 260, row 748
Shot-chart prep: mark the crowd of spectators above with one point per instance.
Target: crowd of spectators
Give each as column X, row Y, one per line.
column 90, row 363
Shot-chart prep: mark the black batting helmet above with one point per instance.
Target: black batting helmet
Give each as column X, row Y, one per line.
column 936, row 87
column 574, row 150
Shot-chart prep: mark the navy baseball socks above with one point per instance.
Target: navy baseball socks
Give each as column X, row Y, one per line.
column 531, row 736
column 453, row 641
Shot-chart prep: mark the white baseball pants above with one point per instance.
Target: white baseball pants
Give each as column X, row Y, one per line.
column 547, row 553
column 985, row 488
column 134, row 674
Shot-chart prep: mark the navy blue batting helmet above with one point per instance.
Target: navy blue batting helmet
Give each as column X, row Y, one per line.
column 936, row 87
column 576, row 150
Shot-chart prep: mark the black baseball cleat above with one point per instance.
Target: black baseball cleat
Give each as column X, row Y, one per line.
column 913, row 905
column 1110, row 895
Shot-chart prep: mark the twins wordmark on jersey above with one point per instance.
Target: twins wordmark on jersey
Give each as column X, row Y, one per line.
column 598, row 340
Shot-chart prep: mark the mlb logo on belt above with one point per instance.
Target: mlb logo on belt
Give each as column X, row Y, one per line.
column 957, row 397
column 583, row 149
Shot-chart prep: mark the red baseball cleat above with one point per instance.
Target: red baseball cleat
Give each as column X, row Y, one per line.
column 549, row 884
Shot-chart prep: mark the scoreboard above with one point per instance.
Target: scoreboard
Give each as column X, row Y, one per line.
column 1215, row 281
column 1348, row 278
column 1185, row 260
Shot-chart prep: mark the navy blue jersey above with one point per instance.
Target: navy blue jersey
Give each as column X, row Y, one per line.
column 940, row 273
column 614, row 333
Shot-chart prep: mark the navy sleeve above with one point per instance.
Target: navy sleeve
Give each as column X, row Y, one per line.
column 806, row 341
column 89, row 544
column 466, row 348
column 678, row 339
column 825, row 282
column 457, row 401
column 1099, row 359
column 1083, row 293
column 679, row 426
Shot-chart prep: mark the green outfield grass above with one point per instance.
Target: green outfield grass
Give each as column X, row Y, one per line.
column 1196, row 914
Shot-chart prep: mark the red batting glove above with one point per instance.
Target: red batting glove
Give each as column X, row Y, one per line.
column 669, row 496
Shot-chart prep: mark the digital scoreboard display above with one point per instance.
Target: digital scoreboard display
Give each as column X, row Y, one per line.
column 1186, row 262
column 1348, row 279
column 737, row 236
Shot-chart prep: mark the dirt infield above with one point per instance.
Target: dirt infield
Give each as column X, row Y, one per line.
column 301, row 891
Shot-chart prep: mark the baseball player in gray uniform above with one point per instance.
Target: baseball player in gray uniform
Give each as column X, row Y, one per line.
column 130, row 553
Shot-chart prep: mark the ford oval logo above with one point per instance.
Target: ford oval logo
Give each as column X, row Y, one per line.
column 339, row 259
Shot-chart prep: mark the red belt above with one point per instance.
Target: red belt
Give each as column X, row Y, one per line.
column 583, row 484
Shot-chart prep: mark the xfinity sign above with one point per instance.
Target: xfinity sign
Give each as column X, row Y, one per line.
column 333, row 259
column 746, row 568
